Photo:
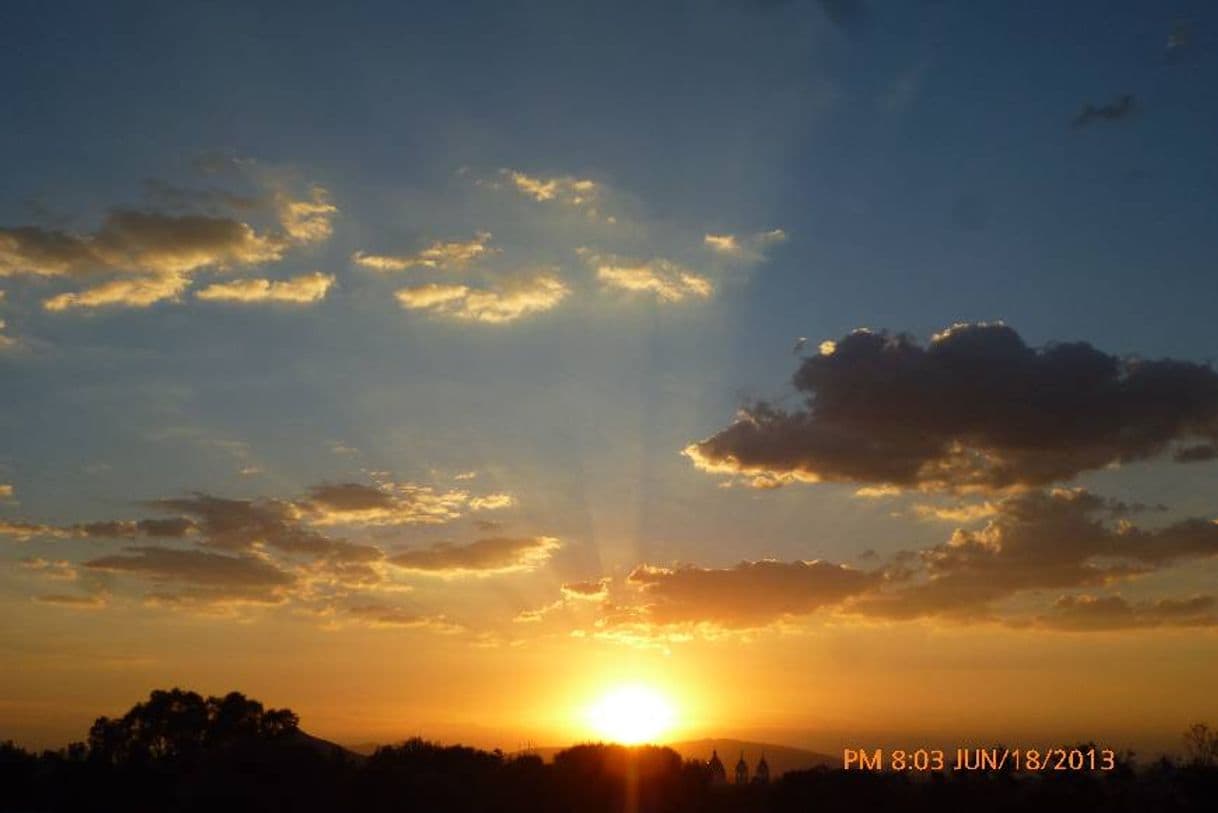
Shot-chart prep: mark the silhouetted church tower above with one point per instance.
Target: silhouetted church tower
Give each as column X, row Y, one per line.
column 762, row 774
column 742, row 771
column 717, row 772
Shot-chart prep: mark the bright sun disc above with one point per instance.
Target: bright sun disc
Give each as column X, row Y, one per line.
column 631, row 715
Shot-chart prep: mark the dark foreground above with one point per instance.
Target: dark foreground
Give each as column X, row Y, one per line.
column 182, row 752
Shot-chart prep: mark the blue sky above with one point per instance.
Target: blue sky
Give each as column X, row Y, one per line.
column 914, row 165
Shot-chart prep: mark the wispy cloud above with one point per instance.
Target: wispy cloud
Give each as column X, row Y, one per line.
column 302, row 290
column 494, row 555
column 665, row 280
column 499, row 305
column 438, row 255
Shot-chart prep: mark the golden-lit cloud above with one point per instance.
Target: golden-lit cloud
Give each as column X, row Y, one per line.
column 53, row 569
column 507, row 303
column 974, row 410
column 266, row 551
column 6, row 491
column 146, row 256
column 494, row 555
column 128, row 292
column 390, row 504
column 301, row 290
column 959, row 512
column 137, row 242
column 438, row 255
column 307, row 220
column 666, row 280
column 747, row 249
column 562, row 189
column 597, row 590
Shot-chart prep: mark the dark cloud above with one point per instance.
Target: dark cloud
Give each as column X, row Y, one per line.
column 587, row 590
column 1098, row 613
column 1196, row 454
column 485, row 556
column 195, row 567
column 1113, row 111
column 107, row 529
column 976, row 409
column 242, row 525
column 1065, row 540
column 1036, row 541
column 136, row 241
column 849, row 15
column 350, row 497
column 73, row 600
column 751, row 594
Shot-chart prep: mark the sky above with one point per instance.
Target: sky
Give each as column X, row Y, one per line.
column 840, row 370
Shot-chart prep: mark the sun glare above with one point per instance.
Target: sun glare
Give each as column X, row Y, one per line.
column 631, row 715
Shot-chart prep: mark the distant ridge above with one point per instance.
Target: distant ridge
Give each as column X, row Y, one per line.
column 781, row 758
column 326, row 747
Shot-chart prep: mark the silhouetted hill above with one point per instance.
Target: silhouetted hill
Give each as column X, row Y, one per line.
column 327, row 748
column 781, row 758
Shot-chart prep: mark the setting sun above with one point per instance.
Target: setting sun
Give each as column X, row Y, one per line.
column 631, row 715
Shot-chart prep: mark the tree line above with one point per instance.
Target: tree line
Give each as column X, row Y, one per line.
column 182, row 752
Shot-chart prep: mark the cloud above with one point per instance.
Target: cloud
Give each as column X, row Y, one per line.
column 72, row 600
column 381, row 616
column 438, row 255
column 137, row 242
column 849, row 15
column 492, row 502
column 307, row 220
column 749, row 595
column 53, row 569
column 501, row 305
column 1087, row 613
column 668, row 281
column 961, row 512
column 1114, row 111
column 597, row 590
column 6, row 341
column 383, row 504
column 563, row 189
column 265, row 551
column 196, row 568
column 974, row 410
column 6, row 491
column 147, row 256
column 1196, row 454
column 751, row 248
column 248, row 525
column 138, row 292
column 301, row 290
column 107, row 529
column 483, row 557
column 1036, row 541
